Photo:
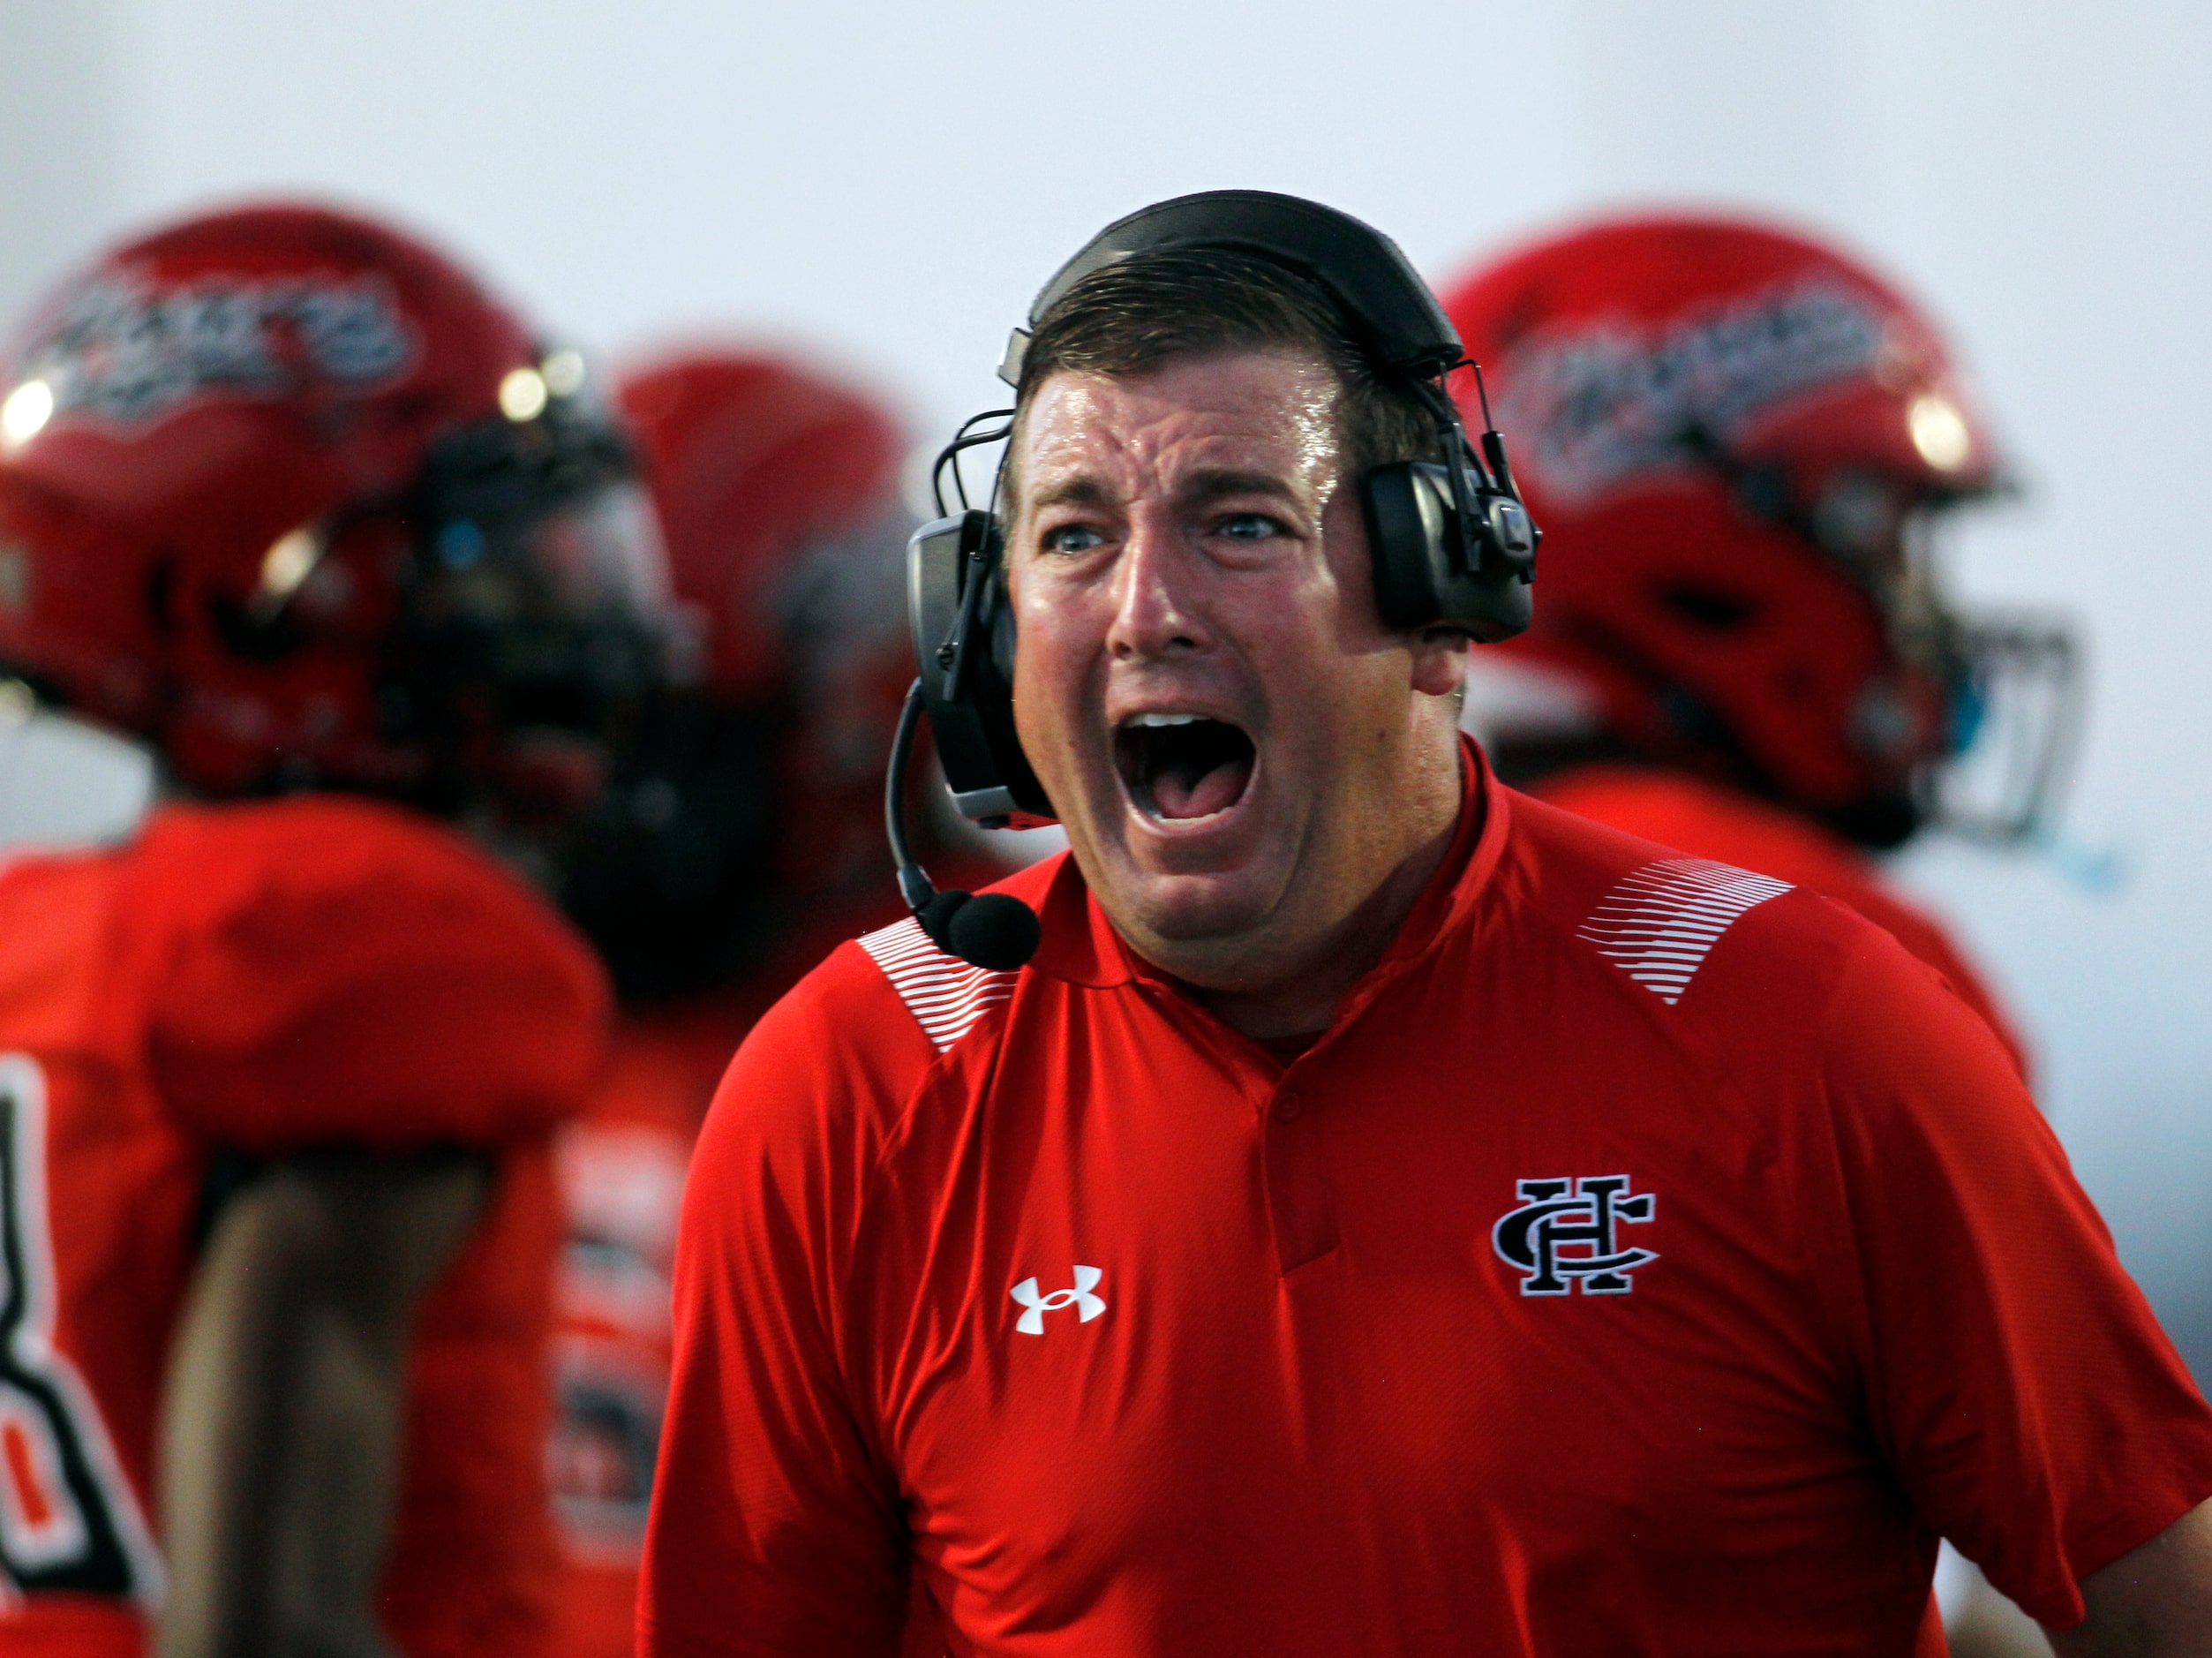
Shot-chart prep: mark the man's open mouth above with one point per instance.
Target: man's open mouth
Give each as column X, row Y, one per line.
column 1182, row 767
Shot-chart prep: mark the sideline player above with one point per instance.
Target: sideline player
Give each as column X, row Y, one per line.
column 1389, row 1213
column 1736, row 441
column 742, row 840
column 288, row 495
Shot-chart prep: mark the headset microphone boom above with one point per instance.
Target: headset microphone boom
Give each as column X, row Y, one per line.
column 1451, row 542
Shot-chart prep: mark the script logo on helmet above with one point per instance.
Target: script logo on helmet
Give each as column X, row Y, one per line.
column 128, row 351
column 1603, row 402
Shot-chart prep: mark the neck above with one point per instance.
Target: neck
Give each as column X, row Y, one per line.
column 1307, row 999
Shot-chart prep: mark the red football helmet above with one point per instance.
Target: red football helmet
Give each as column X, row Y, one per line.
column 288, row 494
column 763, row 473
column 777, row 495
column 1733, row 438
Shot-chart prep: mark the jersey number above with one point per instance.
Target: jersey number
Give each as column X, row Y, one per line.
column 67, row 1518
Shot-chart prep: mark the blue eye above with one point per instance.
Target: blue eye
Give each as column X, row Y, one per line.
column 1248, row 526
column 1073, row 538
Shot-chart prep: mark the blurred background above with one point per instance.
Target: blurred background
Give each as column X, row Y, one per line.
column 887, row 185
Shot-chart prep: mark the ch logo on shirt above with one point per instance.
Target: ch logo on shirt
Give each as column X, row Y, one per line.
column 1563, row 1235
column 1087, row 1305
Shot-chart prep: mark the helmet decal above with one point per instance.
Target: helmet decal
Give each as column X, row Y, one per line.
column 123, row 348
column 1597, row 404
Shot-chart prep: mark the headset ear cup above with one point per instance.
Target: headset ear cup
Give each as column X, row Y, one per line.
column 1407, row 521
column 977, row 745
column 1002, row 621
column 1421, row 580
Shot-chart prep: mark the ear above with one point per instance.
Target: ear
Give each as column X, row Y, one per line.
column 1439, row 660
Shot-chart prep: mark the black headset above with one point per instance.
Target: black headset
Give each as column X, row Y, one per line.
column 1453, row 545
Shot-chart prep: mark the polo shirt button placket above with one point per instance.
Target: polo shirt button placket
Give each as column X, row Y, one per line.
column 1299, row 1200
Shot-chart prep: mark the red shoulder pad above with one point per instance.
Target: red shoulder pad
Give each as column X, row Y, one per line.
column 331, row 970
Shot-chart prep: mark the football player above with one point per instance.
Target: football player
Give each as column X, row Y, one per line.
column 743, row 839
column 288, row 495
column 1736, row 441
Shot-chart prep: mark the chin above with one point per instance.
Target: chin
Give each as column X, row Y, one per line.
column 1190, row 908
column 1180, row 883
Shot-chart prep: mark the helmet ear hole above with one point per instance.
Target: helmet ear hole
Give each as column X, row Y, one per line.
column 1713, row 609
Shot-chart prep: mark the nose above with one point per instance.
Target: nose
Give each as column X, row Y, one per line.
column 1156, row 611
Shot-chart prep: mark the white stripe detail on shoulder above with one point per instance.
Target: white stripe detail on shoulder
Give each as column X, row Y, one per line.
column 944, row 993
column 1658, row 924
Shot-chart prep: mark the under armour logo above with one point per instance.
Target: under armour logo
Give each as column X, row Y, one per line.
column 1086, row 1306
column 1562, row 1235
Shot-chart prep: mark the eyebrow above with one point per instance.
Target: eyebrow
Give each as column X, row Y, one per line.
column 1213, row 483
column 1082, row 490
column 1208, row 484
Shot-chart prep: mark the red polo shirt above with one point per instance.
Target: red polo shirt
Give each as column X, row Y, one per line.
column 1651, row 1258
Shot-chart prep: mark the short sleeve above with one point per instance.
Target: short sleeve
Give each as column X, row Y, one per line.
column 329, row 971
column 2032, row 1408
column 776, row 1527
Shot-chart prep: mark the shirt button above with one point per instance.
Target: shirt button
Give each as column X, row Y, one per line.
column 1288, row 1109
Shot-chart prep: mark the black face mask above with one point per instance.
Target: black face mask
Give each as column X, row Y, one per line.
column 669, row 872
column 530, row 606
column 534, row 600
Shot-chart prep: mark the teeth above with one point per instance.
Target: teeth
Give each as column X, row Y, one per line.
column 1166, row 719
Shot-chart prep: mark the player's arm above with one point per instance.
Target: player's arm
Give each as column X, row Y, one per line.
column 2153, row 1601
column 283, row 1425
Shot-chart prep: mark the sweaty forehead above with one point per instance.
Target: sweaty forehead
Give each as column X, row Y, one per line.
column 1269, row 413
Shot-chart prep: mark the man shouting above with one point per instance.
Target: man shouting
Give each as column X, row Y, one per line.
column 1387, row 1215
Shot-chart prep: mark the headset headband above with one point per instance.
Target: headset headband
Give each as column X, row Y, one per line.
column 1362, row 269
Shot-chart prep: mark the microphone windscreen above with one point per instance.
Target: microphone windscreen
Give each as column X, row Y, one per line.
column 994, row 931
column 936, row 916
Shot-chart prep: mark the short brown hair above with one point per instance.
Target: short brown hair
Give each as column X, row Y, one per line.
column 1137, row 314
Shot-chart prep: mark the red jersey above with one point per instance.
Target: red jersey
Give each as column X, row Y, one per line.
column 1711, row 821
column 621, row 1165
column 256, row 980
column 1650, row 1258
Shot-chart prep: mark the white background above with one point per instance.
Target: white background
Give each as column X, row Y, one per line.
column 891, row 184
